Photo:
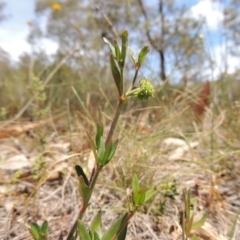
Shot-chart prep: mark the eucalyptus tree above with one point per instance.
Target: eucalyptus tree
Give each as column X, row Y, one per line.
column 168, row 26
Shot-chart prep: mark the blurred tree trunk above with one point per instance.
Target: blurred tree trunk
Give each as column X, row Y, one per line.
column 160, row 48
column 169, row 28
column 2, row 15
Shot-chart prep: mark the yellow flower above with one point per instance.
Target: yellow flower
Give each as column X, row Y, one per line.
column 56, row 7
column 76, row 26
column 29, row 22
column 201, row 38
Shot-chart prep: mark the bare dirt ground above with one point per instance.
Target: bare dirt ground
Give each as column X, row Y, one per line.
column 38, row 182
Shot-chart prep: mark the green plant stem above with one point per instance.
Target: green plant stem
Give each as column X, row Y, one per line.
column 115, row 120
column 129, row 216
column 135, row 76
column 72, row 231
column 85, row 205
column 134, row 80
column 74, row 227
column 96, row 174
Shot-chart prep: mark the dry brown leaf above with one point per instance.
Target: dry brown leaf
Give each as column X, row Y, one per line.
column 203, row 100
column 14, row 131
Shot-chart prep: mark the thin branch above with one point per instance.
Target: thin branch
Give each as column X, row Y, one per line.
column 109, row 22
column 147, row 30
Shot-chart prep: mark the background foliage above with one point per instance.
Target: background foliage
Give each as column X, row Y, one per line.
column 180, row 54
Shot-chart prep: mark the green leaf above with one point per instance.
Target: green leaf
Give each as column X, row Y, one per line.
column 124, row 48
column 123, row 232
column 93, row 146
column 84, row 190
column 101, row 151
column 149, row 194
column 110, row 151
column 200, row 222
column 139, row 197
column 95, row 236
column 142, row 55
column 116, row 229
column 189, row 224
column 99, row 134
column 83, row 232
column 43, row 236
column 44, row 228
column 96, row 225
column 113, row 150
column 117, row 51
column 187, row 202
column 194, row 201
column 131, row 53
column 106, row 154
column 112, row 49
column 35, row 230
column 135, row 183
column 116, row 74
column 80, row 172
column 194, row 237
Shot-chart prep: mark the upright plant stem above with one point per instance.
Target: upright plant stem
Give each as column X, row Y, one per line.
column 115, row 120
column 135, row 76
column 84, row 206
column 95, row 176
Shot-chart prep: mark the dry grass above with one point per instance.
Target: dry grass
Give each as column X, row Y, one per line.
column 182, row 140
column 164, row 145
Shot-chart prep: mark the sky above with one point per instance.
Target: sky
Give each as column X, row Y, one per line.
column 14, row 30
